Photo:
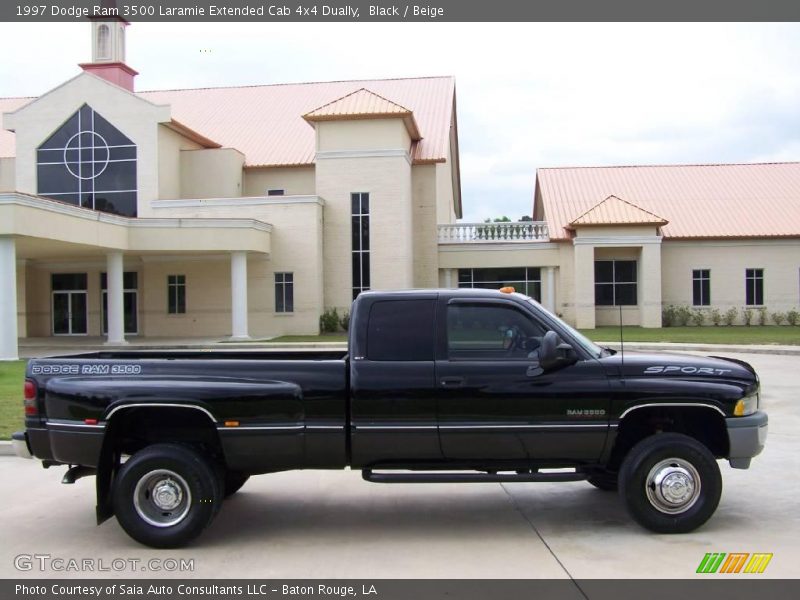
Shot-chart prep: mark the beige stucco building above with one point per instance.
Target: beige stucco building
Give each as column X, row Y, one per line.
column 246, row 212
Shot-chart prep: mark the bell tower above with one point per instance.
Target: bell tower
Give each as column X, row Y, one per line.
column 108, row 52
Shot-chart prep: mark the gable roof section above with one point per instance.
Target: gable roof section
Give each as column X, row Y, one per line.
column 699, row 201
column 266, row 123
column 364, row 104
column 616, row 211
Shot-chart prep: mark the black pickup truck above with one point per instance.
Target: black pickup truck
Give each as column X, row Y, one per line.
column 437, row 386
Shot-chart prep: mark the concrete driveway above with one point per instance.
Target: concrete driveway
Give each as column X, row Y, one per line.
column 318, row 524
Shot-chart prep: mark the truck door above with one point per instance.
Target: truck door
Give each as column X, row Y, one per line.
column 393, row 391
column 495, row 404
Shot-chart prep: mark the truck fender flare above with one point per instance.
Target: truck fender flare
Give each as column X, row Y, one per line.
column 672, row 404
column 160, row 405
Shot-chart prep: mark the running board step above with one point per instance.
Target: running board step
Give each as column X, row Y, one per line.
column 468, row 477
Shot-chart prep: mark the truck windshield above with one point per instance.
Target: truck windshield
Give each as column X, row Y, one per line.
column 585, row 343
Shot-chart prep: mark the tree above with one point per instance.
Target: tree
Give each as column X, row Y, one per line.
column 503, row 219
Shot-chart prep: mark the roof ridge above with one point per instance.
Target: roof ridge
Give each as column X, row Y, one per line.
column 286, row 84
column 734, row 164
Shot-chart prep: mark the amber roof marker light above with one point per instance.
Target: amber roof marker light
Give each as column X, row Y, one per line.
column 507, row 290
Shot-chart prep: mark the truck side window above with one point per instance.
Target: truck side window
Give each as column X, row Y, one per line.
column 401, row 330
column 490, row 331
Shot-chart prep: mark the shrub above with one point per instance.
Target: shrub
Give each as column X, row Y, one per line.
column 698, row 317
column 716, row 316
column 344, row 321
column 793, row 317
column 329, row 321
column 682, row 315
column 668, row 316
column 729, row 318
column 762, row 315
column 778, row 318
column 747, row 315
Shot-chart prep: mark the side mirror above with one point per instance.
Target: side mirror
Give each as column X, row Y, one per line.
column 553, row 355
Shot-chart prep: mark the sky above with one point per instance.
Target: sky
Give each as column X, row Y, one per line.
column 530, row 95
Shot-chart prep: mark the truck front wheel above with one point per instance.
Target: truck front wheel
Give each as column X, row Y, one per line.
column 165, row 495
column 670, row 483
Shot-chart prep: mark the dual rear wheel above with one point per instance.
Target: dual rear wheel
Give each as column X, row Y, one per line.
column 165, row 495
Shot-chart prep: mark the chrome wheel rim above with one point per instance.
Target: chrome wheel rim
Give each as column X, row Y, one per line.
column 162, row 498
column 672, row 486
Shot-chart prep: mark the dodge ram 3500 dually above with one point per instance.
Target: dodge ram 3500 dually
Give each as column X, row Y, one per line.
column 448, row 385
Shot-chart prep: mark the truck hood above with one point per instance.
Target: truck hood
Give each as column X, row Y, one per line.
column 683, row 366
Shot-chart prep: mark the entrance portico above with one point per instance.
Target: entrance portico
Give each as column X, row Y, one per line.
column 617, row 262
column 70, row 262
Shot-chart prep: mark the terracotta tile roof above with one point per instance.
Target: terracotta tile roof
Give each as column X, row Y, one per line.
column 616, row 211
column 364, row 104
column 266, row 122
column 699, row 201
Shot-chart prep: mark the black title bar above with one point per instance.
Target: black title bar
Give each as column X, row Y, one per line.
column 390, row 11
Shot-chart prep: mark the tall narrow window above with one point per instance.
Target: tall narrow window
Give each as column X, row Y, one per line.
column 701, row 287
column 103, row 46
column 284, row 292
column 176, row 294
column 754, row 287
column 360, row 235
column 615, row 283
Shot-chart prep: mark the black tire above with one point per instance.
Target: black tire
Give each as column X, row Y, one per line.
column 665, row 458
column 234, row 482
column 179, row 473
column 604, row 480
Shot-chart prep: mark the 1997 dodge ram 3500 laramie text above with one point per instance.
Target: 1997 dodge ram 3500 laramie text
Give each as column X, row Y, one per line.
column 438, row 386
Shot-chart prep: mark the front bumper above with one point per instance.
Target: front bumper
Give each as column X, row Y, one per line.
column 19, row 441
column 746, row 436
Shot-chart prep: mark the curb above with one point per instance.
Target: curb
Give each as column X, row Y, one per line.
column 6, row 449
column 736, row 349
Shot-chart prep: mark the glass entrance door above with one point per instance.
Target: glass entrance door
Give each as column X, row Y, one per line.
column 69, row 313
column 69, row 303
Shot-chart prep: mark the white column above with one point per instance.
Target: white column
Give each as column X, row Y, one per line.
column 550, row 289
column 8, row 299
column 584, row 285
column 239, row 296
column 116, row 312
column 650, row 285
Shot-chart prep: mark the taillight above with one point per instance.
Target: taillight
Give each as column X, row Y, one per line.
column 29, row 393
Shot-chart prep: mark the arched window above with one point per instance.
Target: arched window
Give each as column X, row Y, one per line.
column 90, row 163
column 103, row 48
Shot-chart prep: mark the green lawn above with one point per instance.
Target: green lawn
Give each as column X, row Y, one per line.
column 12, row 375
column 756, row 334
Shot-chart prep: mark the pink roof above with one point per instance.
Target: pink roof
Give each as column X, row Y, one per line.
column 266, row 122
column 364, row 104
column 616, row 211
column 699, row 201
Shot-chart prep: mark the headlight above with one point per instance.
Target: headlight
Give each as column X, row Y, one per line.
column 746, row 406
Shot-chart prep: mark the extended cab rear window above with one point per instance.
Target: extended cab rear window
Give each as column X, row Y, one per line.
column 401, row 330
